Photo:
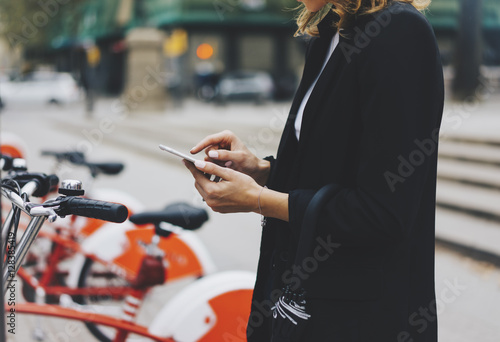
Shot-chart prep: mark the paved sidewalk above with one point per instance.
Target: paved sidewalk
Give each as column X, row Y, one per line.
column 233, row 240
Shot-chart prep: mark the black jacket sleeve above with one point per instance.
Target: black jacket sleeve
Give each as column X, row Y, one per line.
column 400, row 105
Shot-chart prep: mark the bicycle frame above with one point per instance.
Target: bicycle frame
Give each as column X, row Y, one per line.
column 11, row 268
column 195, row 261
column 128, row 262
column 27, row 239
column 209, row 298
column 124, row 328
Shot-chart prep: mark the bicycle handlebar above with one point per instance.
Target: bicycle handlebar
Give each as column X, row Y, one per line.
column 5, row 162
column 15, row 199
column 45, row 183
column 100, row 210
column 70, row 205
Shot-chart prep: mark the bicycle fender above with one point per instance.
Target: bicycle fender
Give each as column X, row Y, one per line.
column 119, row 246
column 213, row 308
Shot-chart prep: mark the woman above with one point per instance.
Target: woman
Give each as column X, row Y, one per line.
column 365, row 119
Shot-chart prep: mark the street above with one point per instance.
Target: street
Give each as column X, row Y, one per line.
column 468, row 291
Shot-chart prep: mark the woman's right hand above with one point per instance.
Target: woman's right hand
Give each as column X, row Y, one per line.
column 226, row 149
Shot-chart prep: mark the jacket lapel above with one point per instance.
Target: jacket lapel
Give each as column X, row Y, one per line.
column 311, row 111
column 311, row 69
column 287, row 150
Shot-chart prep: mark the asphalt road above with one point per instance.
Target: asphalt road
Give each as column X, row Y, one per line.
column 468, row 291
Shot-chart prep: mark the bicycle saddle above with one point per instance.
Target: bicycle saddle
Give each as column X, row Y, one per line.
column 78, row 158
column 179, row 214
column 106, row 168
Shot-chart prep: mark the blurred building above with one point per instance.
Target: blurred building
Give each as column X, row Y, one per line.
column 199, row 36
column 444, row 16
column 9, row 58
column 230, row 36
column 90, row 43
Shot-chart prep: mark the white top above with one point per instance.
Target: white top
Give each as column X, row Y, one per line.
column 300, row 112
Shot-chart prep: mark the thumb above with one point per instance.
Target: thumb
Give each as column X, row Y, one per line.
column 213, row 169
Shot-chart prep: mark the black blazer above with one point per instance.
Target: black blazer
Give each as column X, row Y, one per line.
column 370, row 127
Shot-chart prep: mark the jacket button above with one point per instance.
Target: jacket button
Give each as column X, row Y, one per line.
column 273, row 266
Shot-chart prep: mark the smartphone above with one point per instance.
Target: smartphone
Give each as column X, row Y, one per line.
column 188, row 158
column 178, row 154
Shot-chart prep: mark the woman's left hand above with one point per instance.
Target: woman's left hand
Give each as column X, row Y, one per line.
column 236, row 192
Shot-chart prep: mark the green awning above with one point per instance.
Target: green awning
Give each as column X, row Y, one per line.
column 91, row 21
column 101, row 19
column 161, row 13
column 444, row 14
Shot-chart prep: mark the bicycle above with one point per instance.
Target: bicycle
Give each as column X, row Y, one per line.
column 211, row 311
column 83, row 229
column 187, row 258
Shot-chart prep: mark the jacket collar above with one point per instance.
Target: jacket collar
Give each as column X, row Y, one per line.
column 326, row 26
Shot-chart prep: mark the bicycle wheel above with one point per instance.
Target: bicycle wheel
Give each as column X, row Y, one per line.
column 108, row 300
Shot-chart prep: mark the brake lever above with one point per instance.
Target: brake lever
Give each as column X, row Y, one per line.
column 42, row 210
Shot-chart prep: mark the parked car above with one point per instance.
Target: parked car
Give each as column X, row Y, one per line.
column 251, row 85
column 40, row 87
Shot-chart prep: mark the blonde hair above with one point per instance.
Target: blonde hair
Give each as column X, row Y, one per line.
column 346, row 10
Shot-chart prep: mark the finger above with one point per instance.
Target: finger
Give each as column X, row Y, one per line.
column 198, row 175
column 214, row 169
column 201, row 190
column 225, row 155
column 214, row 139
column 190, row 166
column 212, row 151
column 211, row 148
column 218, row 162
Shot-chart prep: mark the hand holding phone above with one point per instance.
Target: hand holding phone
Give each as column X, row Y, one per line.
column 178, row 154
column 188, row 158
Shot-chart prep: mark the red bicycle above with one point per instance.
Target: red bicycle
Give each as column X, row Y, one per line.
column 215, row 307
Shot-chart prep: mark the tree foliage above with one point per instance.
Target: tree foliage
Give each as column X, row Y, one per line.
column 34, row 23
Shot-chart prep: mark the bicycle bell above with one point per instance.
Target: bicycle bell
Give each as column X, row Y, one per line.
column 71, row 187
column 19, row 164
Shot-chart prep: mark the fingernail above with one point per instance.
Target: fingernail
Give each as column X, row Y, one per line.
column 200, row 164
column 213, row 154
column 228, row 164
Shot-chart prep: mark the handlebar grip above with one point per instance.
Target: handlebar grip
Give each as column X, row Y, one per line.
column 101, row 210
column 48, row 184
column 45, row 184
column 6, row 162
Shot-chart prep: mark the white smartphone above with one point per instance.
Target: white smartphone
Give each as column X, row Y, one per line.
column 178, row 154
